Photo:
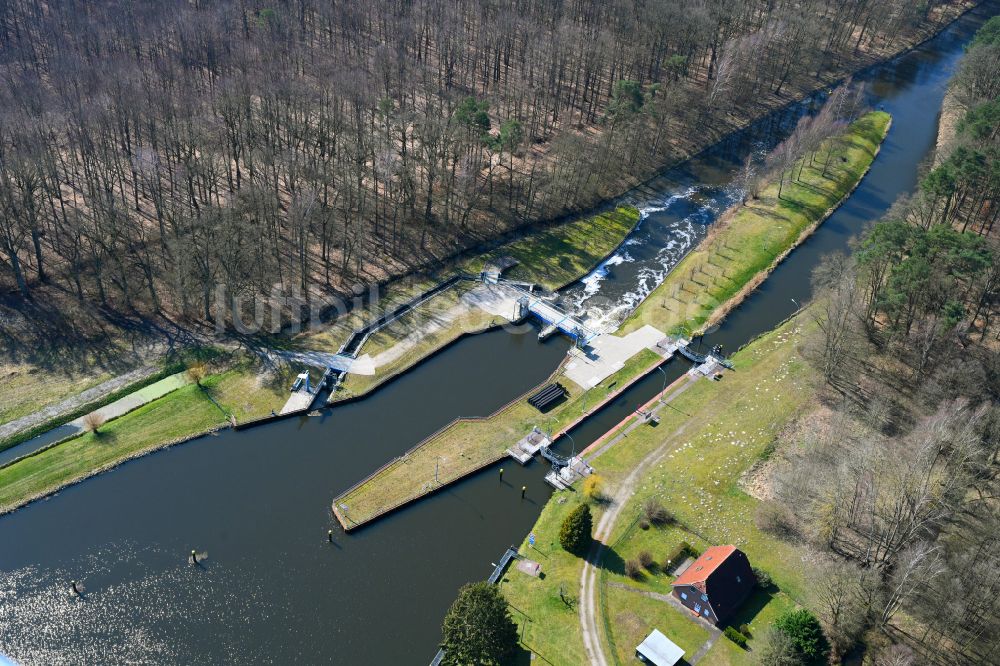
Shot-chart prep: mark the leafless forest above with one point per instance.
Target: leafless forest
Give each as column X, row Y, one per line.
column 150, row 151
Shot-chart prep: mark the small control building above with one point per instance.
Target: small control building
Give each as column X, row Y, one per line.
column 658, row 650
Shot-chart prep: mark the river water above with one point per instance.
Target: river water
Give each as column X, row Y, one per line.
column 273, row 590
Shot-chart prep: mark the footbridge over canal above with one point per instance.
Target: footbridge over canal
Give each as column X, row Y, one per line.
column 552, row 317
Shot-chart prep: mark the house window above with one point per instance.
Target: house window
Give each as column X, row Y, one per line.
column 697, row 608
column 684, row 595
column 707, row 614
column 704, row 597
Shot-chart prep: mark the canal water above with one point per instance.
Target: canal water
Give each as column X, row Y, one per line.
column 273, row 590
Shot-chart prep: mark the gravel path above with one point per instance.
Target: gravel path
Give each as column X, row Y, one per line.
column 75, row 402
column 589, row 579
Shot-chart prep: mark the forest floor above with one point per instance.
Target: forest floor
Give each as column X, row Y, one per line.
column 742, row 251
column 694, row 462
column 745, row 245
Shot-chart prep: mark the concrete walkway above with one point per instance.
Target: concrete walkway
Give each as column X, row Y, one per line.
column 607, row 354
column 297, row 401
column 363, row 365
column 137, row 399
column 69, row 404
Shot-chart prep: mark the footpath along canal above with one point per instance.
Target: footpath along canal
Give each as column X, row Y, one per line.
column 257, row 501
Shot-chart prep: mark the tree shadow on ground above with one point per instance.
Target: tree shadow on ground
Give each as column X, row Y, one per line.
column 104, row 438
column 70, row 338
column 610, row 560
column 525, row 656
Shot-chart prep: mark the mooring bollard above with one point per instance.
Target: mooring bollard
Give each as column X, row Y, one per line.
column 501, row 474
column 523, row 490
column 194, row 557
column 329, row 536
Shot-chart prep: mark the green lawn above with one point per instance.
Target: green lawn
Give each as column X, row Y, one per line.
column 177, row 415
column 247, row 394
column 659, row 542
column 633, row 616
column 742, row 247
column 717, row 431
column 565, row 253
column 732, row 423
column 550, row 626
column 182, row 413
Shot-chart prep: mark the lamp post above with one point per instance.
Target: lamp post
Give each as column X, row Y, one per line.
column 573, row 454
column 664, row 389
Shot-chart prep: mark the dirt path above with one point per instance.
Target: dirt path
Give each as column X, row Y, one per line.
column 75, row 402
column 589, row 579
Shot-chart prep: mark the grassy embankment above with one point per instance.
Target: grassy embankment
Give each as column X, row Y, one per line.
column 565, row 253
column 742, row 250
column 472, row 443
column 715, row 434
column 745, row 244
column 179, row 415
column 552, row 258
column 26, row 387
column 239, row 391
column 717, row 431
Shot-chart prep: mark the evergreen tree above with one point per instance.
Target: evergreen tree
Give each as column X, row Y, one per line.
column 478, row 628
column 575, row 534
column 805, row 633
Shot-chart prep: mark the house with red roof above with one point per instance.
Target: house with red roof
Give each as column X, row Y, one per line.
column 715, row 585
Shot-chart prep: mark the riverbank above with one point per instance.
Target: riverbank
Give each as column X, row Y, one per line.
column 243, row 391
column 693, row 463
column 750, row 240
column 747, row 246
column 952, row 112
column 184, row 414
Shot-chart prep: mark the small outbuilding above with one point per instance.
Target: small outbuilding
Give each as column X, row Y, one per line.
column 716, row 584
column 658, row 650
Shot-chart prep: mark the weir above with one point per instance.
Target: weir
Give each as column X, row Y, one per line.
column 552, row 317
